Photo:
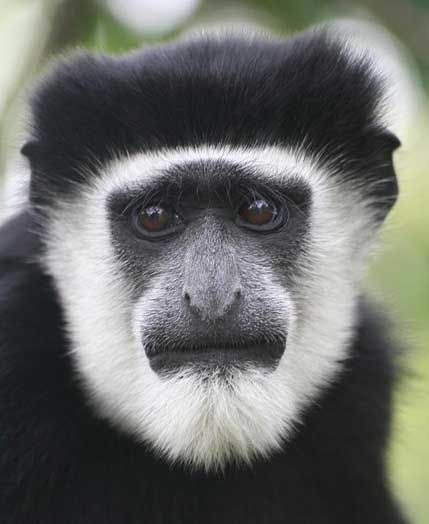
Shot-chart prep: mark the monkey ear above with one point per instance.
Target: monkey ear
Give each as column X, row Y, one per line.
column 382, row 187
column 41, row 164
column 30, row 150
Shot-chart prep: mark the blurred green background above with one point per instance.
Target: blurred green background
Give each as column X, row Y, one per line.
column 33, row 31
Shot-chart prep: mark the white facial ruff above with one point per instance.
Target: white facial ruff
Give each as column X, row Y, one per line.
column 207, row 423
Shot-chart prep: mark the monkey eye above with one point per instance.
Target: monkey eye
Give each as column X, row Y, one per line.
column 260, row 215
column 155, row 221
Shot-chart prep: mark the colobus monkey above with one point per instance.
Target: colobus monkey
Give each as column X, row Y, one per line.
column 183, row 334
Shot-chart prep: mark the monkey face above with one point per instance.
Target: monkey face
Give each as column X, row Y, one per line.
column 222, row 285
column 207, row 209
column 193, row 245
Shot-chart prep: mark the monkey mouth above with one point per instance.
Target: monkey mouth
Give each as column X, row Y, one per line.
column 245, row 354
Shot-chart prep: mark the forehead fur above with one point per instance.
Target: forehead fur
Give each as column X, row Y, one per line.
column 309, row 91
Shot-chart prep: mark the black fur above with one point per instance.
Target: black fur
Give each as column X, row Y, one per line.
column 59, row 463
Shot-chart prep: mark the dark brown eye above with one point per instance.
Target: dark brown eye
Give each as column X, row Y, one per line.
column 260, row 215
column 155, row 221
column 154, row 218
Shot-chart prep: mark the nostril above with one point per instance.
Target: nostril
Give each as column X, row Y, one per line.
column 187, row 297
column 237, row 293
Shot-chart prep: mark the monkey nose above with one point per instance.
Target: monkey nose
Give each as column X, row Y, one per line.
column 211, row 304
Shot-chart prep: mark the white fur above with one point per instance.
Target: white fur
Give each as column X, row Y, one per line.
column 207, row 421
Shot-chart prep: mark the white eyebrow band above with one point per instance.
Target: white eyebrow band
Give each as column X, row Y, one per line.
column 274, row 162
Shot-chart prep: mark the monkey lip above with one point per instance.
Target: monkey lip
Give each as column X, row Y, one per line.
column 211, row 356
